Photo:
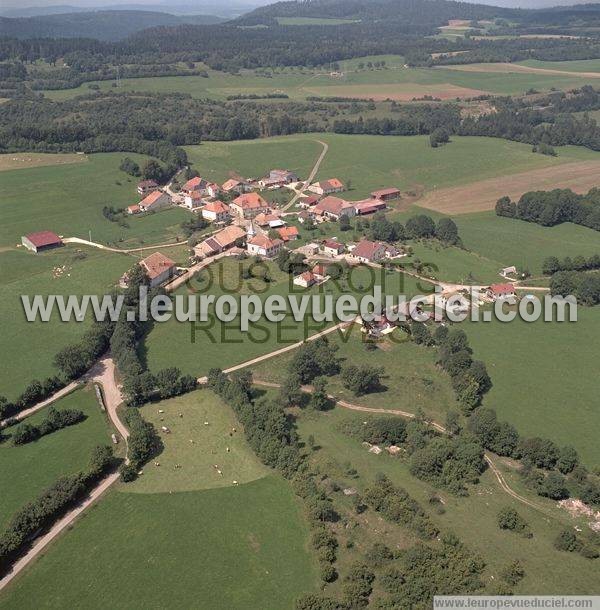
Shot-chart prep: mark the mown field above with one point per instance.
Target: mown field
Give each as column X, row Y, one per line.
column 222, row 549
column 471, row 518
column 394, row 81
column 27, row 470
column 201, row 436
column 542, row 375
column 11, row 161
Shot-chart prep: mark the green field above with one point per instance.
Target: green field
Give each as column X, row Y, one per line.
column 471, row 518
column 583, row 65
column 197, row 446
column 542, row 376
column 525, row 244
column 69, row 200
column 411, row 381
column 232, row 549
column 29, row 469
column 88, row 271
column 394, row 81
column 312, row 21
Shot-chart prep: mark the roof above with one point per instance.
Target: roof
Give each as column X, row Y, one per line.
column 332, row 205
column 331, row 243
column 195, row 195
column 366, row 206
column 307, row 276
column 217, row 207
column 147, row 184
column 262, row 241
column 332, row 183
column 156, row 263
column 250, row 201
column 44, row 238
column 287, row 233
column 231, row 184
column 229, row 235
column 310, row 200
column 319, row 270
column 214, row 186
column 150, row 199
column 264, row 219
column 384, row 192
column 366, row 249
column 194, row 184
column 134, row 208
column 502, row 288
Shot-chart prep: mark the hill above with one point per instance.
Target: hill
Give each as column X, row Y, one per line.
column 101, row 25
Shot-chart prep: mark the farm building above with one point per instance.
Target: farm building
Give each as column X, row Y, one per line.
column 305, row 280
column 249, row 205
column 265, row 220
column 261, row 245
column 332, row 247
column 386, row 194
column 41, row 241
column 319, row 271
column 288, row 233
column 326, row 187
column 369, row 206
column 156, row 200
column 308, row 201
column 223, row 240
column 501, row 291
column 368, row 251
column 215, row 211
column 133, row 209
column 159, row 268
column 195, row 185
column 235, row 186
column 145, row 187
column 193, row 200
column 333, row 208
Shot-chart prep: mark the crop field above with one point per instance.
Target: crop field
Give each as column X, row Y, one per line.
column 411, row 381
column 482, row 195
column 541, row 374
column 200, row 436
column 225, row 549
column 69, row 200
column 471, row 518
column 64, row 271
column 570, row 69
column 11, row 161
column 587, row 66
column 394, row 81
column 525, row 244
column 29, row 469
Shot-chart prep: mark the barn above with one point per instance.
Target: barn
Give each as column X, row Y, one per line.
column 41, row 241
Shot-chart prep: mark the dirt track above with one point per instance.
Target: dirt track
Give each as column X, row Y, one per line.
column 482, row 196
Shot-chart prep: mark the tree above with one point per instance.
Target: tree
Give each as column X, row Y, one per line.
column 345, row 223
column 129, row 166
column 506, row 207
column 567, row 459
column 439, row 136
column 567, row 541
column 290, row 392
column 513, row 572
column 319, row 399
column 152, row 170
column 452, row 424
column 551, row 265
column 420, row 333
column 420, row 226
column 167, row 382
column 554, row 487
column 447, row 231
column 362, row 380
column 509, row 519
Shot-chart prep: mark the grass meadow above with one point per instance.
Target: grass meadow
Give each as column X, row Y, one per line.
column 29, row 469
column 220, row 549
column 471, row 518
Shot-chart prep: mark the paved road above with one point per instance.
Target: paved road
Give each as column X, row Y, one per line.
column 311, row 176
column 103, row 372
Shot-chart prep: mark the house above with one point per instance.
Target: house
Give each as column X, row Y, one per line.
column 215, row 211
column 305, row 280
column 133, row 209
column 391, row 251
column 369, row 206
column 501, row 291
column 195, row 184
column 388, row 194
column 308, row 201
column 235, row 186
column 288, row 233
column 319, row 271
column 159, row 268
column 213, row 190
column 265, row 220
column 512, row 270
column 41, row 241
column 331, row 247
column 156, row 200
column 369, row 251
column 333, row 208
column 379, row 326
column 221, row 241
column 283, row 174
column 193, row 200
column 145, row 187
column 326, row 187
column 261, row 245
column 249, row 205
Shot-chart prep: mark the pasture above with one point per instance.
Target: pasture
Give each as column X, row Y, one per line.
column 9, row 161
column 221, row 549
column 471, row 518
column 542, row 375
column 200, row 436
column 29, row 469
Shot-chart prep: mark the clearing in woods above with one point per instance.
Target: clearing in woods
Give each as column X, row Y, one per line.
column 482, row 196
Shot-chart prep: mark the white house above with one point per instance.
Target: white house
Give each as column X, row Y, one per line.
column 305, row 280
column 261, row 245
column 215, row 211
column 155, row 201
